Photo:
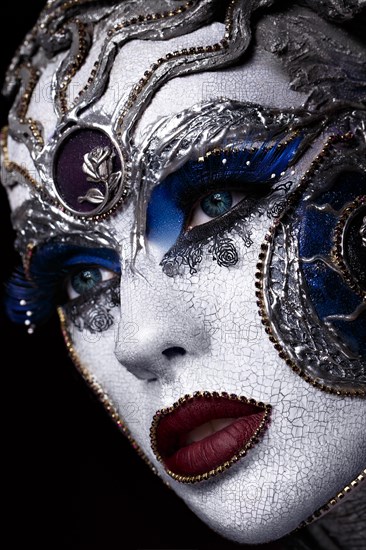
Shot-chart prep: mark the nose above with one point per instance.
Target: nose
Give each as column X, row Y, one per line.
column 159, row 331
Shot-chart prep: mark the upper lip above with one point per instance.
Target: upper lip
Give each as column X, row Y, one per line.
column 203, row 434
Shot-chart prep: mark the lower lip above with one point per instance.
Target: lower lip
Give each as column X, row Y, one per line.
column 216, row 452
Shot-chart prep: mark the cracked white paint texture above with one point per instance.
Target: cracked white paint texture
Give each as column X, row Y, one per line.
column 316, row 442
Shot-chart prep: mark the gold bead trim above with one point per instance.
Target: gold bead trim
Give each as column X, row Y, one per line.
column 263, row 257
column 23, row 106
column 74, row 65
column 87, row 86
column 333, row 501
column 234, row 149
column 27, row 259
column 11, row 166
column 220, row 469
column 111, row 211
column 223, row 44
column 337, row 251
column 71, row 3
column 98, row 390
column 141, row 19
column 32, row 82
column 32, row 36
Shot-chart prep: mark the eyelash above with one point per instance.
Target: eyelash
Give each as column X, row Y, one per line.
column 224, row 221
column 51, row 268
column 70, row 288
column 247, row 171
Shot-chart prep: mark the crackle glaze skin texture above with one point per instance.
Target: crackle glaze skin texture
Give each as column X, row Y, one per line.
column 125, row 124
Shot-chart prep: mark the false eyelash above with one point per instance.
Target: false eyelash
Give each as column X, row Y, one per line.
column 25, row 301
column 35, row 299
column 259, row 166
column 243, row 169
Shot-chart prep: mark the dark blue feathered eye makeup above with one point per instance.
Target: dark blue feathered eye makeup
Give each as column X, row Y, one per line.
column 212, row 185
column 195, row 200
column 58, row 272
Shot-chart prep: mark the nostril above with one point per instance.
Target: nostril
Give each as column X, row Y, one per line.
column 174, row 351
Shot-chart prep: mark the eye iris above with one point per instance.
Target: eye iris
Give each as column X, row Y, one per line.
column 217, row 204
column 85, row 280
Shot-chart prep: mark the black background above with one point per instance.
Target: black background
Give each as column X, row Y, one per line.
column 72, row 481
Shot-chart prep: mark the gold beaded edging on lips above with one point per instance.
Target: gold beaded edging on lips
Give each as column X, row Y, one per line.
column 220, row 469
column 334, row 501
column 99, row 392
column 265, row 247
column 337, row 251
column 11, row 166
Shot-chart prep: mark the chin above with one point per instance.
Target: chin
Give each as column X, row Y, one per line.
column 248, row 524
column 257, row 501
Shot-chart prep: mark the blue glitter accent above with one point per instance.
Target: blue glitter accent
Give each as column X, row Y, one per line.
column 327, row 289
column 329, row 294
column 172, row 200
column 316, row 236
column 50, row 266
column 346, row 187
column 164, row 218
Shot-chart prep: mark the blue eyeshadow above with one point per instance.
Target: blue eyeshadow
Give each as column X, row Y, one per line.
column 50, row 266
column 171, row 201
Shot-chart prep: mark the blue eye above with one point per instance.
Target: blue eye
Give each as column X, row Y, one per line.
column 213, row 206
column 203, row 190
column 58, row 272
column 217, row 204
column 87, row 279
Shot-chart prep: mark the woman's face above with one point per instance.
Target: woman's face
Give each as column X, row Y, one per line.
column 221, row 294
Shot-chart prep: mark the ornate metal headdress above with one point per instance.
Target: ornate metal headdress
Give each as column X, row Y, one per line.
column 83, row 154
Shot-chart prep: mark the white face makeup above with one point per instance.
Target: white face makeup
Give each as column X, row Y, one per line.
column 195, row 287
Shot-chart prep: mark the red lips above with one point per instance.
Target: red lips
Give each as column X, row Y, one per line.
column 204, row 434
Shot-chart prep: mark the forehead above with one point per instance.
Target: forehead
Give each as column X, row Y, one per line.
column 260, row 79
column 132, row 86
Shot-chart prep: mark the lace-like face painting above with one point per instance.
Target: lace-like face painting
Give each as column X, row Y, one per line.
column 191, row 199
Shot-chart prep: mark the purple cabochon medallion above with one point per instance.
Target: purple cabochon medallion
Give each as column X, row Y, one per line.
column 88, row 172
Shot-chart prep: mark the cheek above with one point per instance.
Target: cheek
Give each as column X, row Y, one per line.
column 92, row 333
column 308, row 455
column 222, row 289
column 315, row 443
